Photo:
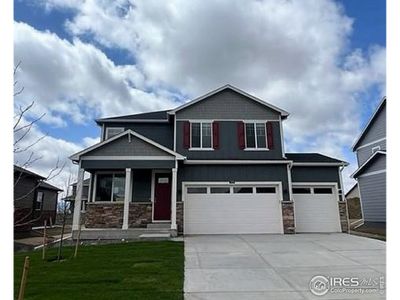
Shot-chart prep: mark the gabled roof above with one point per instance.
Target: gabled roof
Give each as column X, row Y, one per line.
column 76, row 156
column 27, row 172
column 313, row 158
column 284, row 113
column 364, row 131
column 154, row 116
column 45, row 185
column 367, row 163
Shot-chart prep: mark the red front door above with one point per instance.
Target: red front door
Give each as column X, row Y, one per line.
column 162, row 197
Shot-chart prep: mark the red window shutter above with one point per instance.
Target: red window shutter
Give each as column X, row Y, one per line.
column 186, row 135
column 240, row 133
column 215, row 129
column 270, row 136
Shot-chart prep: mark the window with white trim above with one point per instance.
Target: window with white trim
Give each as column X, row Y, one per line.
column 112, row 131
column 39, row 201
column 201, row 135
column 256, row 136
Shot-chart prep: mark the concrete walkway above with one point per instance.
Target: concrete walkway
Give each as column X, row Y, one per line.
column 277, row 266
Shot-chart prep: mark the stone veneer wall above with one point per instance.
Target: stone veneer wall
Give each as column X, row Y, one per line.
column 140, row 214
column 179, row 216
column 288, row 217
column 104, row 215
column 344, row 218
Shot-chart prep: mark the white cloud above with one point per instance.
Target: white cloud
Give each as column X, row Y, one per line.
column 294, row 54
column 76, row 80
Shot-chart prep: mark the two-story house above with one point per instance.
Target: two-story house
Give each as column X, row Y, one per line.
column 370, row 148
column 214, row 165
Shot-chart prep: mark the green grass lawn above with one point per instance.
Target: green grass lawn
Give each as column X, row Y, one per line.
column 139, row 270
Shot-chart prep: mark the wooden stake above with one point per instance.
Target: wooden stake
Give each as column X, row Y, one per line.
column 44, row 240
column 24, row 278
column 77, row 241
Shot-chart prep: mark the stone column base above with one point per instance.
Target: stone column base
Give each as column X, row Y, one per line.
column 288, row 217
column 344, row 218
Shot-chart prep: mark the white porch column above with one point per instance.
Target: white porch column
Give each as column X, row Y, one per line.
column 78, row 200
column 128, row 194
column 173, row 197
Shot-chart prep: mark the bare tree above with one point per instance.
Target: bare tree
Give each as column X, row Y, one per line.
column 23, row 125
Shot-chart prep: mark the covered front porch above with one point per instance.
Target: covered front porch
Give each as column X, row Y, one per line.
column 131, row 193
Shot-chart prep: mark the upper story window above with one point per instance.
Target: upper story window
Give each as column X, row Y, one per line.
column 256, row 136
column 201, row 135
column 112, row 131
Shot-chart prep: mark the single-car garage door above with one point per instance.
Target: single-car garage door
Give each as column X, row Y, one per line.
column 316, row 208
column 225, row 209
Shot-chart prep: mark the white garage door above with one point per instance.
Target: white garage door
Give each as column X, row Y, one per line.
column 224, row 209
column 316, row 208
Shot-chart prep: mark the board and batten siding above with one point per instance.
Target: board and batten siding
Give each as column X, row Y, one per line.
column 373, row 197
column 227, row 104
column 229, row 144
column 233, row 173
column 162, row 133
column 316, row 174
column 122, row 147
column 364, row 153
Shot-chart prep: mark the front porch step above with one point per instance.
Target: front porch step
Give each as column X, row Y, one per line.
column 159, row 226
column 118, row 234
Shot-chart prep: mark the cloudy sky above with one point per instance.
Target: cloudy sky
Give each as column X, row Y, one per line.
column 321, row 60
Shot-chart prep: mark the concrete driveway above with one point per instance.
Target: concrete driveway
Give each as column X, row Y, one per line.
column 278, row 266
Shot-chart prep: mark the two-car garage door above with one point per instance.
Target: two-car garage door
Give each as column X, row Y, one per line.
column 232, row 209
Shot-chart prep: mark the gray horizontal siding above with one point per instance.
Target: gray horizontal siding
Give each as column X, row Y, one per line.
column 228, row 144
column 227, row 104
column 122, row 147
column 364, row 153
column 141, row 185
column 379, row 163
column 25, row 189
column 162, row 133
column 377, row 129
column 316, row 174
column 233, row 173
column 373, row 197
column 122, row 164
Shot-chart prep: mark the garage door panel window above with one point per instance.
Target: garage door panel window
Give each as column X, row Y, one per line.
column 220, row 190
column 197, row 190
column 265, row 190
column 301, row 190
column 243, row 190
column 322, row 190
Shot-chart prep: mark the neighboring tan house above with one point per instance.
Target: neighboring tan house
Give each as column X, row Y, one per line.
column 370, row 148
column 34, row 200
column 215, row 165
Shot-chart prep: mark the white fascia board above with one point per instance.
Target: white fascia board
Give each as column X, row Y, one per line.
column 367, row 162
column 283, row 112
column 128, row 157
column 235, row 162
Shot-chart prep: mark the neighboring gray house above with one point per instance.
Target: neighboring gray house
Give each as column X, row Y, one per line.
column 370, row 148
column 215, row 165
column 34, row 200
column 85, row 194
